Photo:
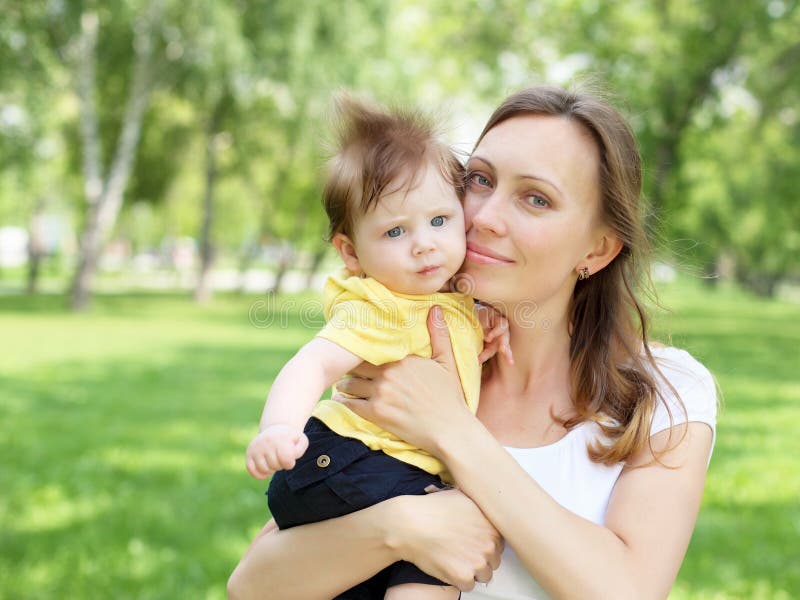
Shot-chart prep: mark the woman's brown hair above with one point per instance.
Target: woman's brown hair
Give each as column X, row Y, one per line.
column 613, row 371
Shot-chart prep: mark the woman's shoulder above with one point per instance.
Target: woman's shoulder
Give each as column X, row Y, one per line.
column 687, row 389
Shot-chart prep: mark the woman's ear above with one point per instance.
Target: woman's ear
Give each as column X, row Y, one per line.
column 347, row 251
column 604, row 251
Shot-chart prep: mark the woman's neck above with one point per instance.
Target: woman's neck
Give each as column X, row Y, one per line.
column 541, row 357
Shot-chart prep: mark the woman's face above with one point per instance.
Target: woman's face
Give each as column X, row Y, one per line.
column 531, row 211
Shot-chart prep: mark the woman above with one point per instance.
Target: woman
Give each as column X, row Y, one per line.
column 588, row 455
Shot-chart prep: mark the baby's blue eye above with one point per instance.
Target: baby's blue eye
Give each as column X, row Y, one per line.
column 394, row 231
column 437, row 221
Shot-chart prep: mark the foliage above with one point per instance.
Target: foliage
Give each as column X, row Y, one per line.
column 711, row 88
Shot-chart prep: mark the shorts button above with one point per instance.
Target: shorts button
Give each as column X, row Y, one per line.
column 323, row 460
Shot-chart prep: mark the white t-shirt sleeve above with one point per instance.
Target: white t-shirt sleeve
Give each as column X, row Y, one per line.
column 695, row 387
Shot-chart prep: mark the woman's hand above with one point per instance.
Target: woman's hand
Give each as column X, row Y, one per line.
column 418, row 399
column 446, row 535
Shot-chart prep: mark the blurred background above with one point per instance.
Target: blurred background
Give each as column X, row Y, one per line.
column 161, row 250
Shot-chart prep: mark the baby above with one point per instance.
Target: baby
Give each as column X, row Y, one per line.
column 393, row 198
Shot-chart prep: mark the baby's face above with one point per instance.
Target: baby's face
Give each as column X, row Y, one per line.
column 413, row 240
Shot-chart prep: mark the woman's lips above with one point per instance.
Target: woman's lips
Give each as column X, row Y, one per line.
column 485, row 256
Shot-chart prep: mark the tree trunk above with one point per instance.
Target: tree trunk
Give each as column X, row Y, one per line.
column 288, row 254
column 276, row 203
column 245, row 262
column 36, row 247
column 203, row 291
column 104, row 197
column 316, row 261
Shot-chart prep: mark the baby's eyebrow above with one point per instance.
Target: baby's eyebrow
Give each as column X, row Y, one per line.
column 441, row 209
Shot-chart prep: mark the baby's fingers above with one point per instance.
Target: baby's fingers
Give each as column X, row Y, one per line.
column 500, row 329
column 285, row 455
column 300, row 445
column 257, row 467
column 251, row 468
column 505, row 350
column 489, row 350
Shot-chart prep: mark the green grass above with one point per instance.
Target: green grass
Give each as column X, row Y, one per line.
column 748, row 535
column 122, row 435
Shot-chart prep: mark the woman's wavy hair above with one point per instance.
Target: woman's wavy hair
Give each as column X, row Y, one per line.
column 613, row 371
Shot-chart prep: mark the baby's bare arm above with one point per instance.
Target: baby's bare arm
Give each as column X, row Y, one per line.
column 298, row 387
column 301, row 382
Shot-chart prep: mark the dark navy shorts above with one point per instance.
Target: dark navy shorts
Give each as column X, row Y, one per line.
column 339, row 475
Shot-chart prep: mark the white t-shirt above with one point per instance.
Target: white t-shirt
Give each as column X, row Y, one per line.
column 564, row 471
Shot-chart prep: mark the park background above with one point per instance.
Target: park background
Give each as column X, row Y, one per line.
column 161, row 250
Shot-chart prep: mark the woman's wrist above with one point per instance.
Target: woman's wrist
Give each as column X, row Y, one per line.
column 390, row 517
column 455, row 440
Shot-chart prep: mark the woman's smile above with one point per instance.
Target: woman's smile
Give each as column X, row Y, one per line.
column 485, row 256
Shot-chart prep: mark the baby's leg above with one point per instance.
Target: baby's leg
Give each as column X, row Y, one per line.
column 421, row 591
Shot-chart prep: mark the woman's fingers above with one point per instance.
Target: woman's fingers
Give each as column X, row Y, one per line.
column 361, row 407
column 484, row 574
column 451, row 539
column 367, row 370
column 442, row 349
column 357, row 387
column 497, row 554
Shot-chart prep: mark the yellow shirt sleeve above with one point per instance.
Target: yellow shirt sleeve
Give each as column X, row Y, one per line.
column 367, row 320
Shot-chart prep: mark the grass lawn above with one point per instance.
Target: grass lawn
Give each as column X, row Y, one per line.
column 122, row 436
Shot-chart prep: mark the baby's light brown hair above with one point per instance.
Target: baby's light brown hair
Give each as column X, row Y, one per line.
column 375, row 148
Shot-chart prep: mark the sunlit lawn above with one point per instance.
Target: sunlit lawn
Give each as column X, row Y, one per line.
column 122, row 434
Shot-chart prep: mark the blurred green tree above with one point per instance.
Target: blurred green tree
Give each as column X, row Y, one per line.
column 104, row 187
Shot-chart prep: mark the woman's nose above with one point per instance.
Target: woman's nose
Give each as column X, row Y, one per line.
column 488, row 214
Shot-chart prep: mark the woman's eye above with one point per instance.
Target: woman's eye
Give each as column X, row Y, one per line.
column 394, row 232
column 479, row 179
column 438, row 221
column 538, row 201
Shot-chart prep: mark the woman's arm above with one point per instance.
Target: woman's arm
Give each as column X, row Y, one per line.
column 651, row 513
column 636, row 554
column 319, row 560
column 444, row 534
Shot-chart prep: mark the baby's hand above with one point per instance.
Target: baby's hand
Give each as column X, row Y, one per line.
column 495, row 334
column 277, row 447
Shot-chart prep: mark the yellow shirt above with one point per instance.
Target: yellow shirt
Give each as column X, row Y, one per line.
column 381, row 326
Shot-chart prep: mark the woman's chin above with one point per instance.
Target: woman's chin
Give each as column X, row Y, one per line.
column 479, row 285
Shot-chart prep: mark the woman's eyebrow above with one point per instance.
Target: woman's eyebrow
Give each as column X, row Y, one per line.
column 523, row 176
column 543, row 180
column 483, row 160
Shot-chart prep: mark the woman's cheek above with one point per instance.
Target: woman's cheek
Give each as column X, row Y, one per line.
column 470, row 210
